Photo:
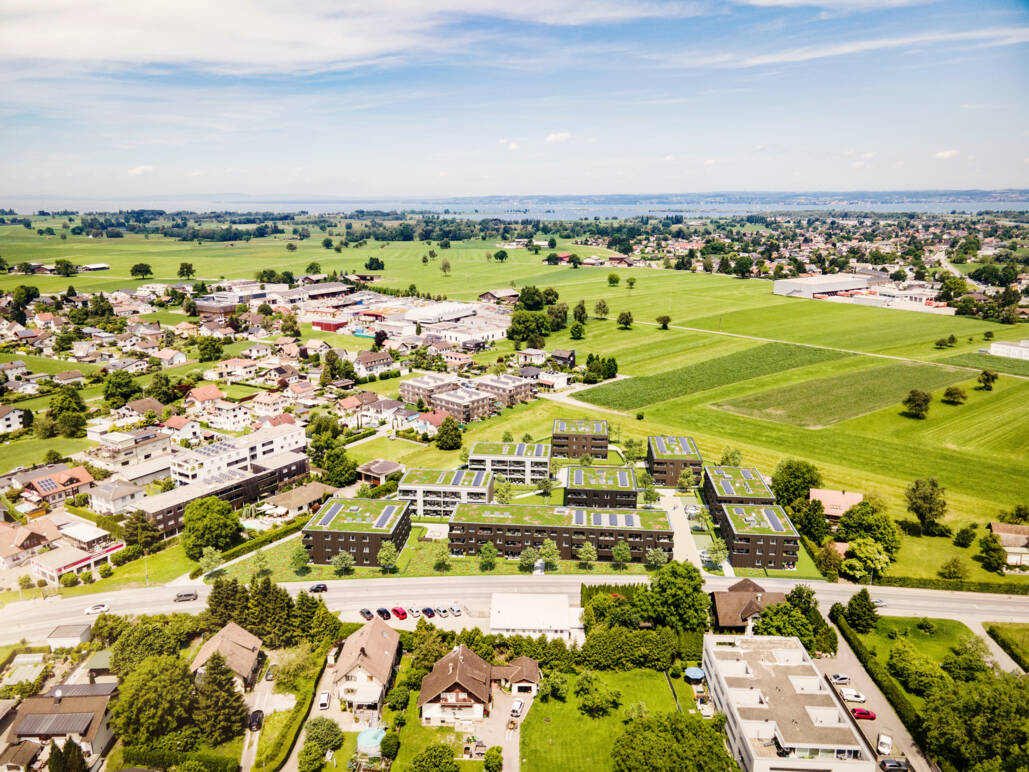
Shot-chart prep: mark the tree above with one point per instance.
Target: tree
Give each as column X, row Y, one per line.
column 208, row 522
column 209, row 349
column 630, row 282
column 119, row 388
column 210, row 559
column 596, row 698
column 487, row 556
column 444, row 266
column 650, row 495
column 530, row 298
column 868, row 519
column 579, row 313
column 625, row 320
column 311, row 758
column 916, row 403
column 494, row 759
column 576, row 331
column 387, row 557
column 968, row 660
column 527, row 559
column 545, row 487
column 436, row 758
column 503, row 491
column 291, row 246
column 786, row 619
column 809, row 518
column 664, row 320
column 299, row 558
column 991, row 553
column 441, row 556
column 656, row 557
column 954, row 395
column 675, row 598
column 141, row 270
column 325, row 733
column 671, row 742
column 861, row 613
column 155, row 699
column 138, row 529
column 549, row 554
column 926, row 502
column 343, row 562
column 65, row 401
column 865, row 557
column 339, row 468
column 220, row 709
column 687, row 479
column 731, row 457
column 186, row 271
column 141, row 640
column 986, row 380
column 528, row 325
column 587, row 554
column 448, row 437
column 389, row 746
column 160, row 388
column 621, row 554
column 600, row 309
column 793, row 479
column 717, row 552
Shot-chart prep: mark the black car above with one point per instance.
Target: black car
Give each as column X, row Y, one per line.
column 383, row 613
column 320, row 587
column 428, row 613
column 256, row 719
column 270, row 675
column 367, row 614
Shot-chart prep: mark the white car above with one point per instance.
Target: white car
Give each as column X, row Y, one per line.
column 879, row 603
column 840, row 679
column 323, row 701
column 517, row 706
column 442, row 612
column 852, row 695
column 98, row 608
column 413, row 612
column 455, row 609
column 884, row 745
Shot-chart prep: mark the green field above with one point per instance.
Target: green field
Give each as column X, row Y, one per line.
column 826, row 401
column 1013, row 637
column 555, row 735
column 988, row 362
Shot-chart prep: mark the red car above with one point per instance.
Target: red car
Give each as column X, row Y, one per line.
column 863, row 713
column 398, row 612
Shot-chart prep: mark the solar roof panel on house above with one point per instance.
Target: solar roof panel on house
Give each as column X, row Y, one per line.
column 612, row 519
column 47, row 485
column 580, row 517
column 661, row 446
column 329, row 514
column 598, row 518
column 384, row 518
column 773, row 520
column 727, row 488
column 541, row 450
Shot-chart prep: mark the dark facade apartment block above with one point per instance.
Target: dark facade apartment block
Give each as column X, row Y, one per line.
column 576, row 438
column 735, row 485
column 605, row 487
column 357, row 526
column 667, row 457
column 758, row 536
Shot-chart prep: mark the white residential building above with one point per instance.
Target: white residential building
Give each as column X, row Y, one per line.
column 520, row 463
column 208, row 461
column 11, row 419
column 228, row 416
column 268, row 403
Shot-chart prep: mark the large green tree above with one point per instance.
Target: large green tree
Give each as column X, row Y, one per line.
column 138, row 529
column 860, row 613
column 119, row 388
column 676, row 598
column 671, row 742
column 140, row 641
column 793, row 479
column 438, row 757
column 156, row 699
column 220, row 709
column 449, row 435
column 869, row 520
column 208, row 522
column 786, row 619
column 926, row 502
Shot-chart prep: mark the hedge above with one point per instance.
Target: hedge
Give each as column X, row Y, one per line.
column 110, row 524
column 897, row 698
column 150, row 759
column 955, row 585
column 358, row 436
column 262, row 540
column 627, row 591
column 1008, row 646
column 282, row 746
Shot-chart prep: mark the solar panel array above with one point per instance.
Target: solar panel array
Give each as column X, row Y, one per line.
column 598, row 518
column 660, row 443
column 577, row 477
column 387, row 513
column 612, row 519
column 579, row 517
column 329, row 514
column 630, row 520
column 46, row 485
column 477, row 480
column 458, row 476
column 623, row 478
column 773, row 520
column 747, row 474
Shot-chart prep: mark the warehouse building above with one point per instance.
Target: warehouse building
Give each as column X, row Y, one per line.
column 828, row 284
column 357, row 526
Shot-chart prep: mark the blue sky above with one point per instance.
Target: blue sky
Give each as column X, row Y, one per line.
column 352, row 98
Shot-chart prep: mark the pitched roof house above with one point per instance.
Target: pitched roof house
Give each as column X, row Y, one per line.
column 738, row 607
column 366, row 665
column 240, row 649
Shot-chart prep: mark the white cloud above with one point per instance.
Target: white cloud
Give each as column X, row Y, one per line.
column 196, row 174
column 899, row 164
column 858, row 165
column 559, row 136
column 869, row 155
column 1026, row 161
column 509, row 144
column 943, row 155
column 668, row 158
column 139, row 171
column 758, row 148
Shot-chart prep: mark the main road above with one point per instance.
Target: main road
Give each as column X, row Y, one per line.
column 33, row 620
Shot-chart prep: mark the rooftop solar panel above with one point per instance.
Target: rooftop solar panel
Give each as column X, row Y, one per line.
column 477, row 480
column 387, row 513
column 580, row 517
column 458, row 476
column 728, row 488
column 598, row 518
column 577, row 477
column 520, row 450
column 623, row 478
column 773, row 520
column 630, row 521
column 747, row 474
column 661, row 446
column 612, row 519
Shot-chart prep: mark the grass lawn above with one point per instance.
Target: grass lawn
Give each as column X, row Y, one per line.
column 233, row 749
column 805, row 569
column 989, row 362
column 274, row 724
column 345, row 752
column 1014, row 635
column 28, row 451
column 935, row 645
column 38, row 364
column 556, row 736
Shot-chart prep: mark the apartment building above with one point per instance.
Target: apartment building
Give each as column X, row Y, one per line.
column 237, row 453
column 758, row 535
column 357, row 526
column 508, row 389
column 519, row 462
column 436, row 492
column 464, row 405
column 578, row 437
column 781, row 713
column 513, row 527
column 425, row 387
column 668, row 457
column 592, row 486
column 735, row 485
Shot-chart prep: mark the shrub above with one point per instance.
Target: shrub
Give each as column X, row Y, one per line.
column 88, row 578
column 390, row 745
column 69, row 580
column 965, row 536
column 105, row 570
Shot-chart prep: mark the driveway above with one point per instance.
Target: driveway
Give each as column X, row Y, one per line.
column 263, row 698
column 493, row 729
column 886, row 720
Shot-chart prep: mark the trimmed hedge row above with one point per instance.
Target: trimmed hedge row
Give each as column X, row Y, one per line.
column 1008, row 646
column 358, row 436
column 110, row 524
column 280, row 749
column 165, row 759
column 956, row 585
column 900, row 702
column 264, row 539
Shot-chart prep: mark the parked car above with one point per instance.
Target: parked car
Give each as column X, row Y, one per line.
column 256, row 719
column 413, row 612
column 186, row 595
column 840, row 679
column 428, row 612
column 323, row 701
column 320, row 587
column 367, row 614
column 862, row 713
column 517, row 707
column 399, row 612
column 884, row 745
column 879, row 602
column 441, row 611
column 270, row 675
column 98, row 608
column 383, row 613
column 455, row 609
column 893, row 765
column 852, row 695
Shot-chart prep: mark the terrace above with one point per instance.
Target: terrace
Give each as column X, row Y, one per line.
column 601, row 478
column 453, row 478
column 759, row 519
column 562, row 517
column 339, row 514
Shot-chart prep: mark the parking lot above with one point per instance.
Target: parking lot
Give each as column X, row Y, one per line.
column 469, row 616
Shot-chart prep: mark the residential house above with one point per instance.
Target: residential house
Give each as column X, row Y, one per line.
column 185, row 329
column 737, row 608
column 299, row 500
column 11, row 419
column 18, row 542
column 507, row 296
column 372, row 363
column 19, row 757
column 238, row 369
column 464, row 404
column 169, row 357
column 85, row 720
column 1014, row 539
column 380, row 411
column 268, row 403
column 429, row 423
column 564, row 357
column 366, row 666
column 376, row 471
column 56, row 487
column 138, row 408
column 130, row 365
column 228, row 416
column 456, row 360
column 531, row 356
column 835, row 503
column 114, row 496
column 68, row 378
column 200, row 399
column 301, row 391
column 257, row 351
column 239, row 648
column 182, row 428
column 12, row 370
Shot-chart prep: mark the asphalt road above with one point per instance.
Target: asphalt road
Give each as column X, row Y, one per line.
column 33, row 620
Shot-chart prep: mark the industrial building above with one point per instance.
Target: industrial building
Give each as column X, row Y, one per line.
column 827, row 284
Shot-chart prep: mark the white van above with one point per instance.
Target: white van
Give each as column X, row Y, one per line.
column 884, row 745
column 323, row 701
column 517, row 707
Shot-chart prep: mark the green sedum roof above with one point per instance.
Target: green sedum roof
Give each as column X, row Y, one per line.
column 759, row 519
column 602, row 478
column 738, row 481
column 579, row 426
column 511, row 449
column 546, row 516
column 342, row 514
column 458, row 478
column 673, row 448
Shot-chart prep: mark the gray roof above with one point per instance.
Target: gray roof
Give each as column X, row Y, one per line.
column 66, row 631
column 40, row 724
column 83, row 690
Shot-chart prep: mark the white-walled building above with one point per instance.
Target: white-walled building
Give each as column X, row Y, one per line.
column 1011, row 349
column 237, row 453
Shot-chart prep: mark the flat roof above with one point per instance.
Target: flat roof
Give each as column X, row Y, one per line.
column 759, row 519
column 447, row 478
column 579, row 426
column 532, row 611
column 510, row 449
column 342, row 514
column 602, row 478
column 664, row 446
column 568, row 517
column 733, row 481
